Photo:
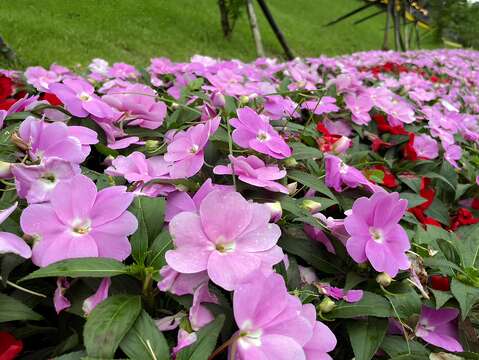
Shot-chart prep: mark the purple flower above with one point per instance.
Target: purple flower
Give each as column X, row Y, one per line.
column 437, row 327
column 360, row 106
column 229, row 237
column 80, row 223
column 80, row 100
column 252, row 170
column 339, row 174
column 11, row 243
column 41, row 78
column 376, row 235
column 98, row 297
column 186, row 149
column 254, row 132
column 71, row 143
column 426, row 147
column 350, row 296
column 275, row 325
column 178, row 283
column 36, row 182
column 60, row 302
column 325, row 105
column 136, row 167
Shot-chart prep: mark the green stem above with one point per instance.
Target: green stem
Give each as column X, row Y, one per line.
column 223, row 347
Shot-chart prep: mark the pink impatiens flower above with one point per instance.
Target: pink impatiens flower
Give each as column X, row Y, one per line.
column 350, row 296
column 60, row 301
column 275, row 325
column 438, row 327
column 11, row 243
column 326, row 105
column 375, row 233
column 186, row 149
column 425, row 146
column 136, row 167
column 338, row 174
column 80, row 223
column 229, row 237
column 41, row 78
column 254, row 132
column 252, row 170
column 360, row 106
column 101, row 294
column 80, row 99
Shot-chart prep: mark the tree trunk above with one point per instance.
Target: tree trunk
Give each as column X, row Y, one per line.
column 225, row 23
column 254, row 28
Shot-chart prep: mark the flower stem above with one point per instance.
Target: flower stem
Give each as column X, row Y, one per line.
column 227, row 343
column 18, row 287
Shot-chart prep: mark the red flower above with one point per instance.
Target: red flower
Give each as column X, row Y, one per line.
column 385, row 127
column 389, row 180
column 463, row 217
column 475, row 204
column 409, row 151
column 6, row 104
column 327, row 141
column 439, row 282
column 9, row 346
column 419, row 211
column 6, row 87
column 51, row 98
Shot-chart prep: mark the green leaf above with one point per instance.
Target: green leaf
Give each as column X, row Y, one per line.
column 304, row 152
column 205, row 343
column 465, row 295
column 398, row 347
column 80, row 267
column 405, row 303
column 108, row 324
column 433, row 175
column 413, row 200
column 468, row 244
column 366, row 336
column 11, row 310
column 77, row 355
column 413, row 183
column 441, row 297
column 150, row 214
column 311, row 181
column 370, row 305
column 145, row 341
column 438, row 210
column 156, row 253
column 312, row 252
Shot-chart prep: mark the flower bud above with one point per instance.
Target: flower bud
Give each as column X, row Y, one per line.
column 276, row 211
column 218, row 100
column 311, row 205
column 244, row 99
column 5, row 170
column 327, row 305
column 175, row 105
column 108, row 160
column 384, row 279
column 292, row 187
column 151, row 145
column 341, row 145
column 290, row 162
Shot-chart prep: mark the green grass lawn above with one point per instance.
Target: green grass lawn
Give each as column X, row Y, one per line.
column 72, row 32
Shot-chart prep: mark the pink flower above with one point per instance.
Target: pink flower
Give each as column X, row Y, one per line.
column 136, row 167
column 360, row 106
column 80, row 223
column 186, row 149
column 11, row 243
column 123, row 71
column 437, row 327
column 375, row 233
column 199, row 315
column 41, row 78
column 452, row 154
column 36, row 182
column 252, row 170
column 178, row 283
column 138, row 104
column 338, row 174
column 277, row 107
column 98, row 297
column 275, row 325
column 425, row 146
column 350, row 296
column 252, row 131
column 71, row 143
column 325, row 105
column 229, row 237
column 60, row 302
column 80, row 100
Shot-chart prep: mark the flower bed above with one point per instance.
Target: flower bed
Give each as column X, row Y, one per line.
column 217, row 209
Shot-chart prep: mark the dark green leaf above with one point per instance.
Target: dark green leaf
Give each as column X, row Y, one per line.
column 413, row 200
column 405, row 303
column 438, row 210
column 77, row 355
column 145, row 341
column 465, row 295
column 304, row 152
column 397, row 347
column 468, row 244
column 156, row 253
column 441, row 297
column 311, row 181
column 205, row 343
column 81, row 267
column 108, row 324
column 370, row 305
column 366, row 335
column 11, row 310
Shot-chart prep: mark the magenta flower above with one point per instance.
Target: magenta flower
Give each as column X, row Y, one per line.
column 82, row 223
column 325, row 105
column 252, row 170
column 375, row 233
column 254, row 132
column 230, row 250
column 338, row 174
column 60, row 301
column 41, row 78
column 136, row 167
column 11, row 243
column 438, row 327
column 350, row 296
column 98, row 297
column 186, row 149
column 36, row 182
column 80, row 100
column 275, row 325
column 137, row 103
column 359, row 106
column 71, row 143
column 426, row 147
column 178, row 283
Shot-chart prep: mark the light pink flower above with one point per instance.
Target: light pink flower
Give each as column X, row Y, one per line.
column 41, row 78
column 123, row 71
column 80, row 223
column 136, row 167
column 325, row 105
column 254, row 132
column 425, row 146
column 98, row 297
column 60, row 301
column 229, row 237
column 199, row 315
column 360, row 106
column 375, row 233
column 178, row 283
column 350, row 296
column 11, row 243
column 338, row 174
column 252, row 170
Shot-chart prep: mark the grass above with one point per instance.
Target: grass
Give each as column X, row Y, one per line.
column 74, row 32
